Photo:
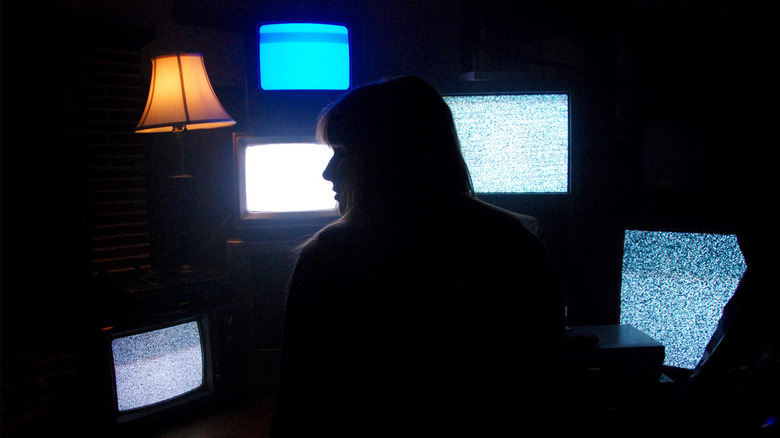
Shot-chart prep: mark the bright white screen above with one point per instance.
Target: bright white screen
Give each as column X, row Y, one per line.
column 158, row 365
column 287, row 177
column 514, row 143
column 675, row 286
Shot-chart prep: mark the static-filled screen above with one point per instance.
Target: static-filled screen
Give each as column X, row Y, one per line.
column 158, row 365
column 514, row 143
column 675, row 286
column 304, row 56
column 287, row 178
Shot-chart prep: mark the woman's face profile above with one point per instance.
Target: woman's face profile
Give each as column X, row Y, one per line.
column 335, row 172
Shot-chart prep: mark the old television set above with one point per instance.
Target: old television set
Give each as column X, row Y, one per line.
column 296, row 65
column 280, row 180
column 514, row 143
column 311, row 55
column 157, row 367
column 675, row 284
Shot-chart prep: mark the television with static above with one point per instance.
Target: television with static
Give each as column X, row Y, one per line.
column 514, row 143
column 156, row 367
column 675, row 285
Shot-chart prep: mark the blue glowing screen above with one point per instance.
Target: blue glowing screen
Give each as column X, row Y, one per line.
column 304, row 56
column 674, row 288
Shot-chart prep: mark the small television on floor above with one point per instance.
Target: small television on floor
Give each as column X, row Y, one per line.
column 675, row 285
column 159, row 366
column 280, row 180
column 514, row 143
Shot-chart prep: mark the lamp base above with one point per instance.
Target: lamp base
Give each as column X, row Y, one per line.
column 185, row 270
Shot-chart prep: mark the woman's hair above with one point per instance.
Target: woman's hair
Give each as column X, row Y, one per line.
column 400, row 138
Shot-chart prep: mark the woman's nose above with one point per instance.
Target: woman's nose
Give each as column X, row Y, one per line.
column 330, row 170
column 334, row 170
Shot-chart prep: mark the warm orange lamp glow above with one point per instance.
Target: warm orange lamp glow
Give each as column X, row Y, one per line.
column 181, row 97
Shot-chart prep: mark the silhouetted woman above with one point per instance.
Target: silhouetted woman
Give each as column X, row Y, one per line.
column 422, row 311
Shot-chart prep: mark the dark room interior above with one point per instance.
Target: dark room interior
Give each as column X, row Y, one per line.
column 673, row 118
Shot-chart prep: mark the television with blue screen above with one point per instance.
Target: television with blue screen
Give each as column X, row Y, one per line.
column 280, row 179
column 675, row 285
column 304, row 56
column 157, row 367
column 514, row 143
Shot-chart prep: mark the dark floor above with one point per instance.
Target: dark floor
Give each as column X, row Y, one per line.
column 250, row 417
column 40, row 396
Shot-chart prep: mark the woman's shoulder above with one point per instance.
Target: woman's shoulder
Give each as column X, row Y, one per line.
column 330, row 239
column 499, row 217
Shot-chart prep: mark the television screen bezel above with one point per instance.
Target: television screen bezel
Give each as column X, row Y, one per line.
column 351, row 22
column 281, row 112
column 258, row 79
column 203, row 392
column 499, row 196
column 247, row 218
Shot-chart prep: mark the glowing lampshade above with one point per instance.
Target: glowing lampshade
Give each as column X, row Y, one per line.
column 181, row 97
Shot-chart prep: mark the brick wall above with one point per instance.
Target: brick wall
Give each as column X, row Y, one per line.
column 74, row 198
column 100, row 96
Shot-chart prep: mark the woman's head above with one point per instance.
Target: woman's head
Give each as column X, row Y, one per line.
column 394, row 141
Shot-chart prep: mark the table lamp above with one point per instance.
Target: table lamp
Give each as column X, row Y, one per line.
column 181, row 99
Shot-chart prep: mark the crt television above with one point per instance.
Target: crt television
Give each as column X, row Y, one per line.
column 297, row 63
column 280, row 179
column 304, row 56
column 159, row 366
column 514, row 143
column 675, row 285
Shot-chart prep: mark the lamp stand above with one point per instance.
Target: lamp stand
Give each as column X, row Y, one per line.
column 184, row 182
